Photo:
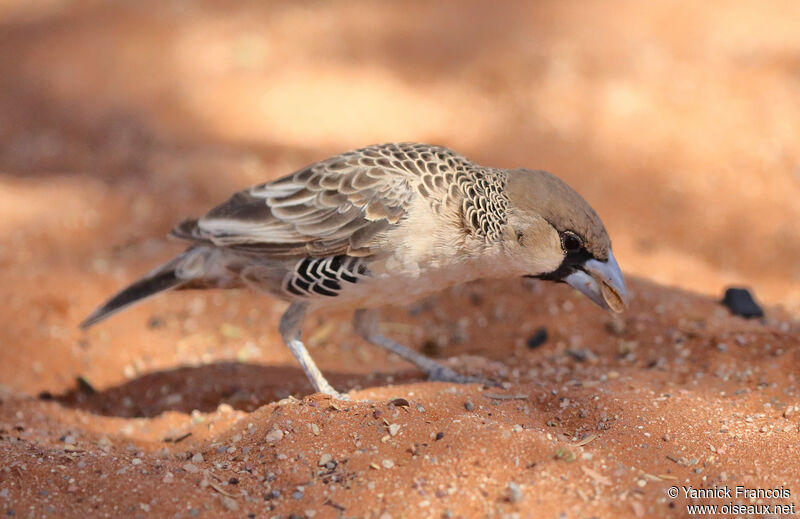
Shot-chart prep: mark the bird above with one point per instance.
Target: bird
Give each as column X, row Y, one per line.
column 387, row 223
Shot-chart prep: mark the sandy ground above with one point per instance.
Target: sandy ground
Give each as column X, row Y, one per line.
column 679, row 121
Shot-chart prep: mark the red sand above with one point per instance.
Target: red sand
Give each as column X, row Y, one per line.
column 677, row 121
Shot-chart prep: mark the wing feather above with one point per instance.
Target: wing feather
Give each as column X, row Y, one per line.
column 337, row 206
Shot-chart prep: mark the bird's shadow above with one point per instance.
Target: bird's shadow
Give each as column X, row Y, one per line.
column 187, row 388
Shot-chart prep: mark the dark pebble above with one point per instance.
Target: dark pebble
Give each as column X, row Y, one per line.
column 538, row 338
column 431, row 349
column 439, row 436
column 155, row 322
column 84, row 386
column 233, row 481
column 297, row 495
column 740, row 302
column 400, row 402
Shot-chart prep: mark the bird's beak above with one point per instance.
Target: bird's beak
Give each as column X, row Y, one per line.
column 602, row 282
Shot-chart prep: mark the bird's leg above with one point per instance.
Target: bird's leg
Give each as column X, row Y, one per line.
column 365, row 323
column 290, row 327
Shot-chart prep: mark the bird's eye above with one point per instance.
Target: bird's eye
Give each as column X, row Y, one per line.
column 571, row 242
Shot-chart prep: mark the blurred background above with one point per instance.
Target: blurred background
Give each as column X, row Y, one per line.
column 678, row 120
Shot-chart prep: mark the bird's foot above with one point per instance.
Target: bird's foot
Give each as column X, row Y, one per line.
column 445, row 374
column 327, row 389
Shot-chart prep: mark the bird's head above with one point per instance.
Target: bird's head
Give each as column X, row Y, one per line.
column 554, row 234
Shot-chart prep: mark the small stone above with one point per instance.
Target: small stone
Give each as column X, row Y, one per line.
column 197, row 458
column 190, row 468
column 538, row 338
column 129, row 371
column 135, row 461
column 68, row 439
column 469, row 406
column 275, row 435
column 789, row 411
column 514, row 492
column 297, row 495
column 394, row 429
column 616, row 327
column 741, row 302
column 315, row 429
column 666, row 437
column 387, row 464
column 439, row 436
column 324, row 459
column 169, row 477
column 229, row 504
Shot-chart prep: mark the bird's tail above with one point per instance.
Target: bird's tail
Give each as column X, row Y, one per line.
column 147, row 286
column 194, row 268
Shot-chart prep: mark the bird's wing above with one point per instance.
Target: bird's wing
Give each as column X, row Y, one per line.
column 336, row 206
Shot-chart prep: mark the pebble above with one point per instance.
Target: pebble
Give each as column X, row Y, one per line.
column 538, row 338
column 190, row 468
column 394, row 429
column 387, row 464
column 324, row 459
column 616, row 327
column 789, row 411
column 469, row 406
column 275, row 435
column 229, row 504
column 514, row 492
column 297, row 495
column 169, row 477
column 741, row 302
column 197, row 458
